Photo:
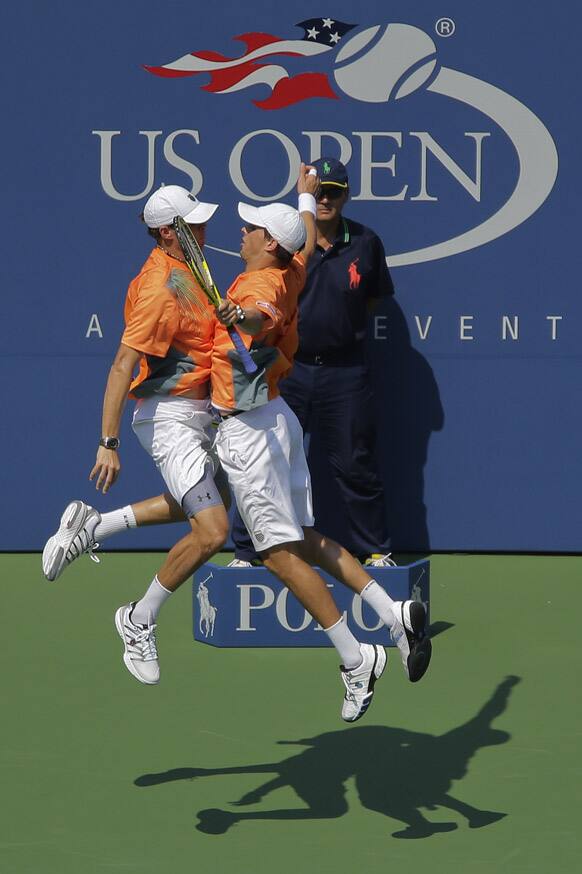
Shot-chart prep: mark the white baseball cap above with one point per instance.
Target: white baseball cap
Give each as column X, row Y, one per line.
column 283, row 223
column 171, row 200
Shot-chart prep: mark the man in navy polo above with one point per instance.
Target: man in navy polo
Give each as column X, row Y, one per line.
column 329, row 382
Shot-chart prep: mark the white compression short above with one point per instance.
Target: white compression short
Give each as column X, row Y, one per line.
column 178, row 434
column 261, row 452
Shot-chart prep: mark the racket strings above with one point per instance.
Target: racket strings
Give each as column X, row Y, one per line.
column 196, row 260
column 199, row 268
column 187, row 295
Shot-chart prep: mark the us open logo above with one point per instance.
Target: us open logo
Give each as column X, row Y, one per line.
column 383, row 66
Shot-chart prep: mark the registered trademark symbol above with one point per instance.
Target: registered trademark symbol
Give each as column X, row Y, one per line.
column 445, row 27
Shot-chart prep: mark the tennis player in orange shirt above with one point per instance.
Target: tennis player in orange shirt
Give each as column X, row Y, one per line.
column 171, row 343
column 260, row 446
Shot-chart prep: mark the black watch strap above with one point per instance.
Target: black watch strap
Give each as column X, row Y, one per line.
column 109, row 442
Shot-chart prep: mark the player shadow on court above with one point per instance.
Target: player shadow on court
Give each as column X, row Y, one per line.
column 396, row 772
column 408, row 411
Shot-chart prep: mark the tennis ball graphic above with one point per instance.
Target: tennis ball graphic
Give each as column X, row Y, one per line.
column 400, row 59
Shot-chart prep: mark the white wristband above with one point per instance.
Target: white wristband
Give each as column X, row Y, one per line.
column 307, row 203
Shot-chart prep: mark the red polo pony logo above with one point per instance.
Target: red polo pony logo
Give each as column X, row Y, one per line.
column 353, row 274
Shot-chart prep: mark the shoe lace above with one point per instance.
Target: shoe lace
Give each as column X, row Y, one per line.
column 351, row 678
column 350, row 694
column 82, row 543
column 146, row 638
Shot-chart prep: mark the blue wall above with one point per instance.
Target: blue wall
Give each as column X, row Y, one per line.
column 479, row 430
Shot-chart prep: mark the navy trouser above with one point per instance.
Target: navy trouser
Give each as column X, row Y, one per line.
column 338, row 401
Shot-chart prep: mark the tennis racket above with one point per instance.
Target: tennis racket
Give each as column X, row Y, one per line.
column 199, row 268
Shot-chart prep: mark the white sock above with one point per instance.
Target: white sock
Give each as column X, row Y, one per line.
column 379, row 601
column 345, row 643
column 146, row 611
column 114, row 522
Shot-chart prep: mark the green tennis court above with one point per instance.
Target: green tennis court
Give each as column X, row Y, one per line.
column 468, row 771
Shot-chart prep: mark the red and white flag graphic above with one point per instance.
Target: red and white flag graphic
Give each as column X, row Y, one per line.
column 233, row 74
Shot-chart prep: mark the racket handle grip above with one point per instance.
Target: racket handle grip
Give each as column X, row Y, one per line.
column 248, row 363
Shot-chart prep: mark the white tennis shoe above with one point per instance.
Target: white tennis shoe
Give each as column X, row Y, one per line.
column 74, row 537
column 359, row 682
column 240, row 563
column 410, row 636
column 140, row 653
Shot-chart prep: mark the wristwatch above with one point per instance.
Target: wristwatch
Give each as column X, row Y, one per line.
column 109, row 442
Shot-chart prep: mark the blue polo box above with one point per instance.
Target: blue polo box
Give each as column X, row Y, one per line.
column 238, row 607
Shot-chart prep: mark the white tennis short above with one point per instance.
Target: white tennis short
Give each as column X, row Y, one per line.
column 178, row 434
column 261, row 452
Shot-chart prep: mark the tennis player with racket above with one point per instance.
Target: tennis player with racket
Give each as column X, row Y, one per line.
column 169, row 330
column 260, row 446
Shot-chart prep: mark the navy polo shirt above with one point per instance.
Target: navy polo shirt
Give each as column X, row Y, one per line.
column 340, row 280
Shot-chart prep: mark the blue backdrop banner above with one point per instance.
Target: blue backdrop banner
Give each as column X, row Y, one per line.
column 461, row 142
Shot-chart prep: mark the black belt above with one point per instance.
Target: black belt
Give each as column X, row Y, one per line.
column 228, row 414
column 334, row 357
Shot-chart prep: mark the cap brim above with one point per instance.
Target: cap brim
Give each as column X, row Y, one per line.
column 201, row 213
column 250, row 214
column 335, row 184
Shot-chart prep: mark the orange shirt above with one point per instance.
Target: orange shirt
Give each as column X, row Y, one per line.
column 176, row 346
column 273, row 291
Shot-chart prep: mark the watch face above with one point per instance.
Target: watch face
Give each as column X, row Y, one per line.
column 110, row 442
